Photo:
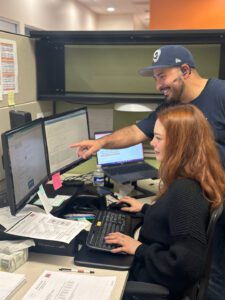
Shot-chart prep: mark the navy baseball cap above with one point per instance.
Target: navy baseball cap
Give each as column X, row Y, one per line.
column 167, row 57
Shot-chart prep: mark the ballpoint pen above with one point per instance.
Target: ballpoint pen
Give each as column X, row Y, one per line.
column 77, row 270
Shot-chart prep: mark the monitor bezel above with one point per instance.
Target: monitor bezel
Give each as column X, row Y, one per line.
column 78, row 161
column 16, row 207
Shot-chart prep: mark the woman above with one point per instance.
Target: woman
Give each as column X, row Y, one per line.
column 172, row 240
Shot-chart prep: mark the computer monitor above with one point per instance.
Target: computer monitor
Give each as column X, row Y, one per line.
column 61, row 131
column 25, row 162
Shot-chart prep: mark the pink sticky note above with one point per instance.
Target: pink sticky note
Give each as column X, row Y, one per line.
column 56, row 181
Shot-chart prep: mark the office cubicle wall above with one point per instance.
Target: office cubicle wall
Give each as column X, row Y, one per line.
column 26, row 98
column 115, row 68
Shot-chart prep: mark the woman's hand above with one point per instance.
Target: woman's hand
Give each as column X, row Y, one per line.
column 125, row 242
column 135, row 205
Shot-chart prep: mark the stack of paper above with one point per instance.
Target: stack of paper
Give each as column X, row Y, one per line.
column 10, row 283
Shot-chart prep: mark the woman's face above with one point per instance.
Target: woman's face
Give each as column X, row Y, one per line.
column 159, row 140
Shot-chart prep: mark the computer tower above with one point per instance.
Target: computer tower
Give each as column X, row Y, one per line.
column 19, row 118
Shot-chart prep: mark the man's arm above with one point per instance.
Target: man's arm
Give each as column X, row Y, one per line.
column 124, row 137
column 121, row 138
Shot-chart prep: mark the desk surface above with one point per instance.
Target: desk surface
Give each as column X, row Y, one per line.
column 38, row 262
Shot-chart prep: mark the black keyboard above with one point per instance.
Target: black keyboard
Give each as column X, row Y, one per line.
column 129, row 169
column 106, row 222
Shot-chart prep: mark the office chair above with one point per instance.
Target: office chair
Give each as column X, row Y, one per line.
column 149, row 291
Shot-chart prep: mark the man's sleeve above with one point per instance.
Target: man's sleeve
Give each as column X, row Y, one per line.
column 147, row 125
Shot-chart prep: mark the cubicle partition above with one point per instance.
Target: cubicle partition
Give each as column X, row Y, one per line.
column 23, row 98
column 102, row 67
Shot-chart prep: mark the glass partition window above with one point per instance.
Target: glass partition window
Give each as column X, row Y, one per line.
column 115, row 68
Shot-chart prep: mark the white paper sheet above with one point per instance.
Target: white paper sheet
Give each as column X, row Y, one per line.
column 69, row 286
column 9, row 66
column 44, row 199
column 9, row 283
column 47, row 227
column 7, row 220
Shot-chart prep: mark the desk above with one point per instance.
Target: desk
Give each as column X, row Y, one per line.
column 38, row 262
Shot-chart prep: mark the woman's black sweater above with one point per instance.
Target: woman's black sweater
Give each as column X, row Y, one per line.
column 173, row 238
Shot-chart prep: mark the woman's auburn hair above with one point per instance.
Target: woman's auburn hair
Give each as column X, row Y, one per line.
column 191, row 151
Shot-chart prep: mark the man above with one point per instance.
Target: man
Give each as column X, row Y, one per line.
column 176, row 76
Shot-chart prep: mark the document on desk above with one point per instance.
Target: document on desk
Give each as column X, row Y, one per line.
column 69, row 286
column 10, row 283
column 47, row 227
column 7, row 220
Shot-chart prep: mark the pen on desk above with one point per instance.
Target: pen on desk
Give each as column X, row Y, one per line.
column 77, row 270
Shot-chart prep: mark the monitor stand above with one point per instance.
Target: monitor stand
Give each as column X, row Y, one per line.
column 145, row 192
column 131, row 189
column 123, row 189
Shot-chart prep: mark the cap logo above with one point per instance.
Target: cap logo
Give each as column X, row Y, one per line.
column 156, row 55
column 177, row 60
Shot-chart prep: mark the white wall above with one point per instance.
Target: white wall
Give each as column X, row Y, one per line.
column 48, row 14
column 64, row 15
column 121, row 22
column 115, row 22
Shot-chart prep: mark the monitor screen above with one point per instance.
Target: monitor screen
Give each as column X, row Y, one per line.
column 25, row 163
column 61, row 131
column 107, row 157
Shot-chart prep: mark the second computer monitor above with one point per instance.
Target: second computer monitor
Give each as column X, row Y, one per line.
column 62, row 130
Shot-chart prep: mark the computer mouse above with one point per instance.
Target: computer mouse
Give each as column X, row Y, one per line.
column 118, row 205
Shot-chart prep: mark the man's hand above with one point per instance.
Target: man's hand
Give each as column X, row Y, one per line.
column 125, row 242
column 87, row 148
column 125, row 137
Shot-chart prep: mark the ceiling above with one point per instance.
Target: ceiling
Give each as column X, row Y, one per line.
column 138, row 8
